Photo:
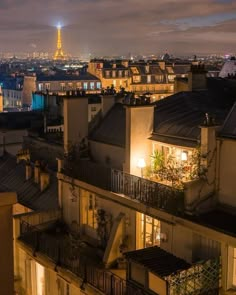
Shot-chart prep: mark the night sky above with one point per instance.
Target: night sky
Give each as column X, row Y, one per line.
column 115, row 27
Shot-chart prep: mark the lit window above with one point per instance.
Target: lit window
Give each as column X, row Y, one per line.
column 113, row 74
column 47, row 86
column 107, row 73
column 136, row 79
column 70, row 86
column 98, row 85
column 85, row 85
column 91, row 85
column 92, row 211
column 63, row 86
column 148, row 78
column 78, row 85
column 150, row 231
column 120, row 73
column 134, row 70
column 40, row 86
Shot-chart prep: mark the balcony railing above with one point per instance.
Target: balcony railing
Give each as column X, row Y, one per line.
column 73, row 257
column 148, row 192
column 200, row 279
column 153, row 194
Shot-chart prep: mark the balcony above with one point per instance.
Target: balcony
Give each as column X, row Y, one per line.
column 67, row 251
column 151, row 193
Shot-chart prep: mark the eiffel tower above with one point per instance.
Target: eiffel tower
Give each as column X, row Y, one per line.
column 59, row 54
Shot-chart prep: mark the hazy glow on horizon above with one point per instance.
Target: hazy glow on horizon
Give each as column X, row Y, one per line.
column 111, row 27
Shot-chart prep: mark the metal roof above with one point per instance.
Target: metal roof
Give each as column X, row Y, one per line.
column 112, row 128
column 67, row 77
column 158, row 261
column 229, row 127
column 12, row 178
column 180, row 115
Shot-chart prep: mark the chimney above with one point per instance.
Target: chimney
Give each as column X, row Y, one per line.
column 28, row 171
column 107, row 103
column 197, row 77
column 44, row 180
column 139, row 126
column 36, row 172
column 75, row 121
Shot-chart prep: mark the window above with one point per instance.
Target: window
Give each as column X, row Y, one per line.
column 134, row 70
column 98, row 85
column 85, row 85
column 171, row 78
column 159, row 78
column 149, row 78
column 93, row 109
column 78, row 85
column 91, row 209
column 113, row 74
column 126, row 73
column 63, row 86
column 40, row 86
column 136, row 79
column 120, row 73
column 107, row 74
column 92, row 85
column 150, row 231
column 47, row 86
column 70, row 86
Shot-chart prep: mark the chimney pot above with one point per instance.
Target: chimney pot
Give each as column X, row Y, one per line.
column 36, row 172
column 44, row 180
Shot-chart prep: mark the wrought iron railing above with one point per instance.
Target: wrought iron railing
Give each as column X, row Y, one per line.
column 153, row 194
column 148, row 192
column 200, row 279
column 73, row 258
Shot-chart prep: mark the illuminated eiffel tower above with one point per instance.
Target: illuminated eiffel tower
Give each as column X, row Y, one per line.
column 59, row 54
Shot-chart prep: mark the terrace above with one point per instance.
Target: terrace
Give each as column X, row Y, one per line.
column 151, row 193
column 167, row 274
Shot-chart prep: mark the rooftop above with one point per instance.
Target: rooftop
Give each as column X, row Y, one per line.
column 177, row 118
column 217, row 219
column 66, row 77
column 12, row 177
column 158, row 261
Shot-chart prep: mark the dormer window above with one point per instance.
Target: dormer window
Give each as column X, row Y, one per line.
column 113, row 74
column 136, row 79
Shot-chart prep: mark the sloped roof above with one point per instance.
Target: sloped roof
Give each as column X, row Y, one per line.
column 177, row 118
column 12, row 178
column 66, row 77
column 112, row 128
column 158, row 261
column 229, row 127
column 229, row 68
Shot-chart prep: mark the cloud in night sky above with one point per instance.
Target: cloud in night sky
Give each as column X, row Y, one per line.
column 119, row 26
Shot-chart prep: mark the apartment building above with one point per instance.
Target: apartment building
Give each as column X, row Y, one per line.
column 59, row 82
column 147, row 202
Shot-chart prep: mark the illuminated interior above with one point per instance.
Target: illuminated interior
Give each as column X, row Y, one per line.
column 150, row 231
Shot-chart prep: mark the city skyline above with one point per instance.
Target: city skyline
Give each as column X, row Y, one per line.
column 111, row 27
